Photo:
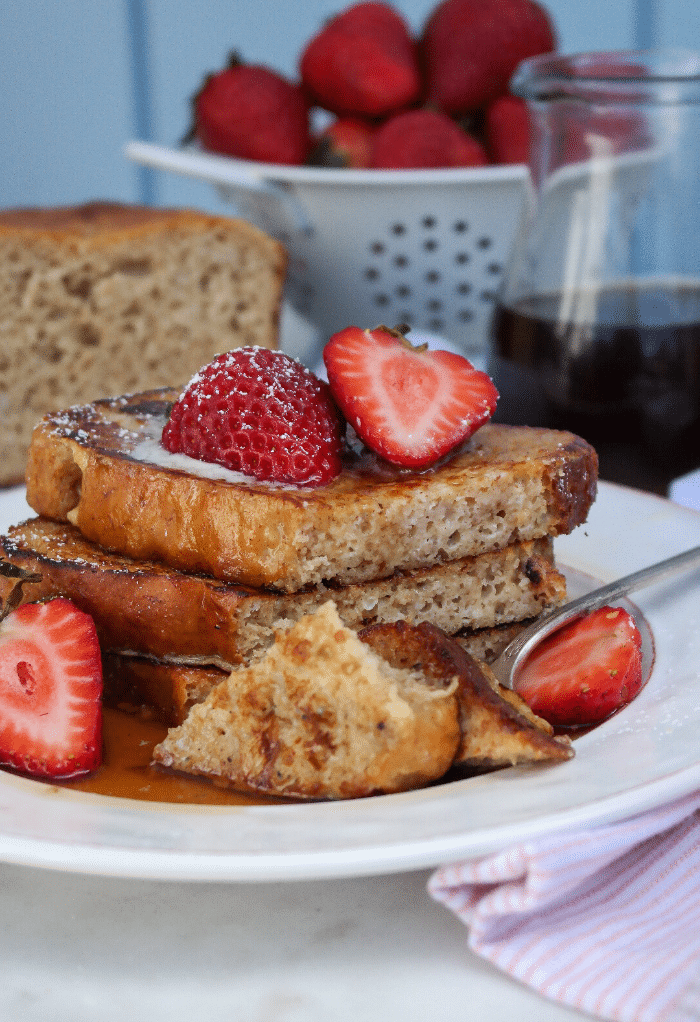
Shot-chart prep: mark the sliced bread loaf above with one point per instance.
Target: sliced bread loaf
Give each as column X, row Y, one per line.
column 104, row 299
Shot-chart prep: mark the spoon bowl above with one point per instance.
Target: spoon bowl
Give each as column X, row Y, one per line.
column 508, row 664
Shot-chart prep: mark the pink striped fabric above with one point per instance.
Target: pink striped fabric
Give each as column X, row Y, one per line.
column 605, row 920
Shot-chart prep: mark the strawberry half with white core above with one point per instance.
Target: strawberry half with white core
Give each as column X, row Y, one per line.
column 586, row 670
column 410, row 405
column 50, row 691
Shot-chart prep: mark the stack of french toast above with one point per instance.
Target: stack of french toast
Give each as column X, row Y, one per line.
column 307, row 642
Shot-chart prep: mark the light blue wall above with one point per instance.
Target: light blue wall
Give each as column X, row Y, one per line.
column 79, row 79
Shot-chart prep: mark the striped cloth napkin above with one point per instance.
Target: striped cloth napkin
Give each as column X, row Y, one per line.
column 605, row 920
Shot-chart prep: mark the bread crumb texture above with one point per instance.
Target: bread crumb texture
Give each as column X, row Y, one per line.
column 321, row 716
column 106, row 299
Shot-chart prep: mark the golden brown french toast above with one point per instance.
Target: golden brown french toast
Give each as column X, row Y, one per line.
column 329, row 714
column 172, row 686
column 170, row 689
column 101, row 467
column 147, row 608
column 497, row 728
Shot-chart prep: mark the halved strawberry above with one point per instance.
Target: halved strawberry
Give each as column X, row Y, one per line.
column 50, row 690
column 410, row 405
column 586, row 670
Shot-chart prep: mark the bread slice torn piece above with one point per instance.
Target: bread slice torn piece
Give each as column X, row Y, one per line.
column 321, row 716
column 497, row 727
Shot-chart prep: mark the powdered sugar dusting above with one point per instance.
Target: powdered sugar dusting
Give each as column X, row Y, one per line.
column 151, row 452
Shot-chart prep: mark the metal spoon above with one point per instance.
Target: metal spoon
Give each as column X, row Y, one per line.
column 511, row 659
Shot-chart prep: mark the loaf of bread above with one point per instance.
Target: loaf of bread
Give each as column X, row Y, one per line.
column 106, row 299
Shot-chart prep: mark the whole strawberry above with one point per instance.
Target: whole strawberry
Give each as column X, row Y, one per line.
column 508, row 130
column 50, row 691
column 253, row 113
column 362, row 63
column 470, row 49
column 409, row 405
column 348, row 142
column 425, row 138
column 262, row 413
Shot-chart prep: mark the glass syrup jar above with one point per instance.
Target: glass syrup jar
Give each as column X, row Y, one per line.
column 597, row 324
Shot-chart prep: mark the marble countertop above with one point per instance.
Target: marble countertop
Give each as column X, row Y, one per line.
column 376, row 949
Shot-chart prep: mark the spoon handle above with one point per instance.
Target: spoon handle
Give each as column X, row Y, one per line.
column 515, row 652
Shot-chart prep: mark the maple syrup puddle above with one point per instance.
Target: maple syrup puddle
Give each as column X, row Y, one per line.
column 127, row 772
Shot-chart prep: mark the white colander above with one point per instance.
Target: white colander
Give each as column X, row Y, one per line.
column 421, row 247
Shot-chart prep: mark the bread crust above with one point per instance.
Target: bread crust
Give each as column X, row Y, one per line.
column 507, row 484
column 169, row 689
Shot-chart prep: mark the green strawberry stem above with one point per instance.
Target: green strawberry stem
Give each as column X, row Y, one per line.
column 400, row 332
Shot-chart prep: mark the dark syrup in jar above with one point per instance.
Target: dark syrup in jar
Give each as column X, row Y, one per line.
column 626, row 378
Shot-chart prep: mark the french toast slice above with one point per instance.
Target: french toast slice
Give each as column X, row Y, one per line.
column 102, row 468
column 170, row 689
column 497, row 727
column 147, row 608
column 320, row 716
column 331, row 714
column 172, row 685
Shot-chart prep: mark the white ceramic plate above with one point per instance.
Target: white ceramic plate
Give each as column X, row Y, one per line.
column 645, row 755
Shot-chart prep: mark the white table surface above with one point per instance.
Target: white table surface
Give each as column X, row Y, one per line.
column 90, row 949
